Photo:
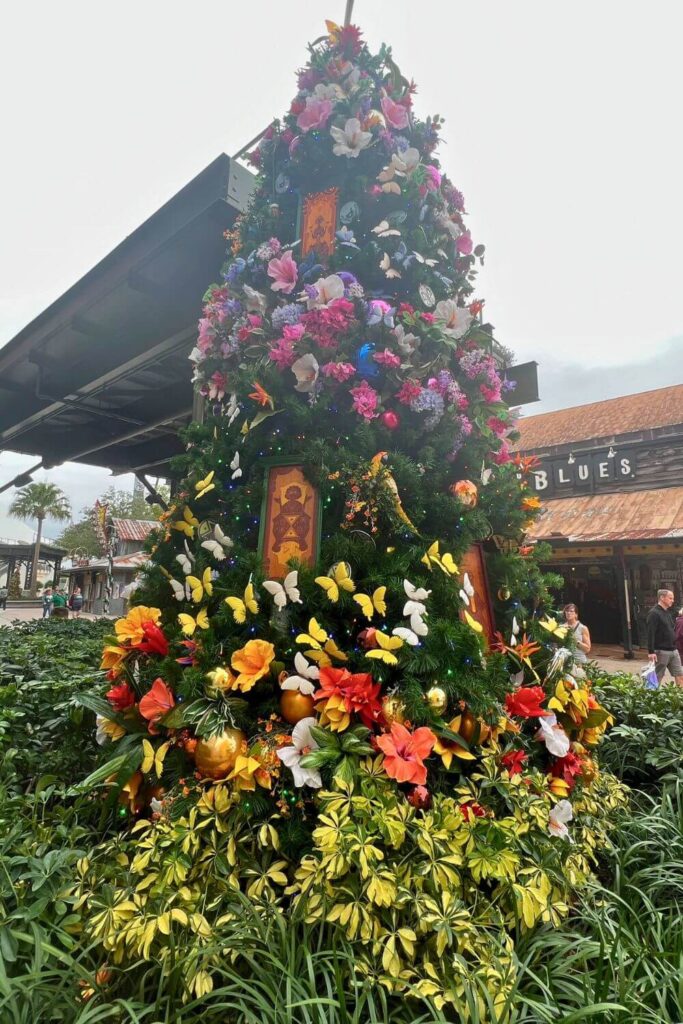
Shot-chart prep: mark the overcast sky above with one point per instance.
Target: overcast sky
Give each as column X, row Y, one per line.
column 562, row 130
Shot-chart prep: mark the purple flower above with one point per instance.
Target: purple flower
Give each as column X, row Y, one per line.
column 431, row 402
column 288, row 314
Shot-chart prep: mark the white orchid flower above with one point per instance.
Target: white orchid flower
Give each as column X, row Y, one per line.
column 306, row 370
column 327, row 289
column 453, row 319
column 302, row 743
column 256, row 302
column 553, row 735
column 557, row 820
column 350, row 140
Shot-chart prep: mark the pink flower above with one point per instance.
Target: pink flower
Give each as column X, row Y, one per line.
column 408, row 392
column 433, row 179
column 395, row 114
column 365, row 400
column 217, row 386
column 206, row 336
column 502, row 456
column 338, row 371
column 284, row 272
column 387, row 358
column 315, row 114
column 490, row 394
column 464, row 244
column 282, row 353
column 497, row 425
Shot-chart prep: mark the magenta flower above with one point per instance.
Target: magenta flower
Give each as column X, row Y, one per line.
column 315, row 115
column 409, row 390
column 498, row 426
column 490, row 394
column 433, row 179
column 338, row 371
column 395, row 114
column 284, row 272
column 207, row 335
column 387, row 358
column 464, row 244
column 365, row 400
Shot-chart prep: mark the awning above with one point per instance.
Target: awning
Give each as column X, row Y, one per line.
column 627, row 516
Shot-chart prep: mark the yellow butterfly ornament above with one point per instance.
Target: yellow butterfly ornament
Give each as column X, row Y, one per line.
column 152, row 758
column 203, row 487
column 199, row 587
column 370, row 605
column 187, row 524
column 387, row 646
column 189, row 624
column 445, row 562
column 553, row 627
column 322, row 646
column 339, row 578
column 240, row 606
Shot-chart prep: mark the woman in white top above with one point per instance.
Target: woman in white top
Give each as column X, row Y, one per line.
column 582, row 637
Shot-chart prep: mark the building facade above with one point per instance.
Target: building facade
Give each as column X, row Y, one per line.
column 610, row 476
column 90, row 574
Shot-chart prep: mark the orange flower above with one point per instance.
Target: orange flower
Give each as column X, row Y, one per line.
column 247, row 772
column 531, row 502
column 156, row 702
column 404, row 752
column 252, row 662
column 130, row 629
column 261, row 396
column 448, row 749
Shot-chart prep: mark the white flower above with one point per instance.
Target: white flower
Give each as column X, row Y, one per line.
column 455, row 320
column 557, row 821
column 553, row 735
column 407, row 343
column 449, row 226
column 306, row 371
column 156, row 806
column 256, row 302
column 327, row 289
column 350, row 140
column 330, row 91
column 302, row 743
column 197, row 356
column 402, row 165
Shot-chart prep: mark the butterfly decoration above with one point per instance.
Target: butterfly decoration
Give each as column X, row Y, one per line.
column 552, row 626
column 322, row 646
column 340, row 577
column 240, row 606
column 179, row 590
column 414, row 593
column 189, row 624
column 385, row 651
column 486, row 474
column 235, row 466
column 407, row 635
column 288, row 590
column 515, row 626
column 152, row 758
column 187, row 524
column 303, row 679
column 218, row 544
column 198, row 587
column 370, row 605
column 418, row 625
column 203, row 487
column 445, row 562
column 385, row 265
column 233, row 409
column 467, row 593
column 472, row 623
column 185, row 562
column 384, row 230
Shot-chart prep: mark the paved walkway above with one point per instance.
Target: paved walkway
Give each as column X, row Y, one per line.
column 28, row 614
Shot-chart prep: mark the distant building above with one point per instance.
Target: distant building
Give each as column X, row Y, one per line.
column 611, row 481
column 90, row 574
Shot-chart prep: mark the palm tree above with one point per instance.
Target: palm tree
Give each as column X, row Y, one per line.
column 39, row 501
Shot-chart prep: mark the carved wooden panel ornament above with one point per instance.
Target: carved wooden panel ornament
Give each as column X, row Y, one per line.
column 472, row 563
column 319, row 222
column 290, row 520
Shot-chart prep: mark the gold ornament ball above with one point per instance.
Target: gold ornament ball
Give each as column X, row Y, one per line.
column 437, row 699
column 504, row 594
column 215, row 756
column 394, row 710
column 294, row 706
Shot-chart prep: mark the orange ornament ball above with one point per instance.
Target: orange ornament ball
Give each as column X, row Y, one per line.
column 294, row 706
column 466, row 493
column 215, row 756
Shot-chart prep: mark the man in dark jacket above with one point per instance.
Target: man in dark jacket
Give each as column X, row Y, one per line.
column 661, row 639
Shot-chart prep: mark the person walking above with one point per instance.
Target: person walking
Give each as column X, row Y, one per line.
column 59, row 608
column 76, row 602
column 47, row 602
column 581, row 633
column 678, row 633
column 4, row 592
column 661, row 638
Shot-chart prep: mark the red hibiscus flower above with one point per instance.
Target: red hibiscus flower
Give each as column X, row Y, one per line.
column 514, row 761
column 471, row 810
column 404, row 753
column 121, row 697
column 156, row 702
column 344, row 694
column 526, row 702
column 154, row 641
column 568, row 768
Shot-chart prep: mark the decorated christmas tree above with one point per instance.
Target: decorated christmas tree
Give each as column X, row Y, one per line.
column 311, row 702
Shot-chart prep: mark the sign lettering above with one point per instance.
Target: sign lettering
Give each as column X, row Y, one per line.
column 583, row 474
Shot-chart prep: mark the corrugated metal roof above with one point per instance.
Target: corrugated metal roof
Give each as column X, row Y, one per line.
column 134, row 529
column 631, row 515
column 630, row 414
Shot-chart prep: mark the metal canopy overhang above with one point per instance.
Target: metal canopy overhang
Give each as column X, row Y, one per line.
column 102, row 376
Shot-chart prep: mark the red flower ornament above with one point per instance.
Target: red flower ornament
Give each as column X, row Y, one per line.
column 404, row 753
column 526, row 702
